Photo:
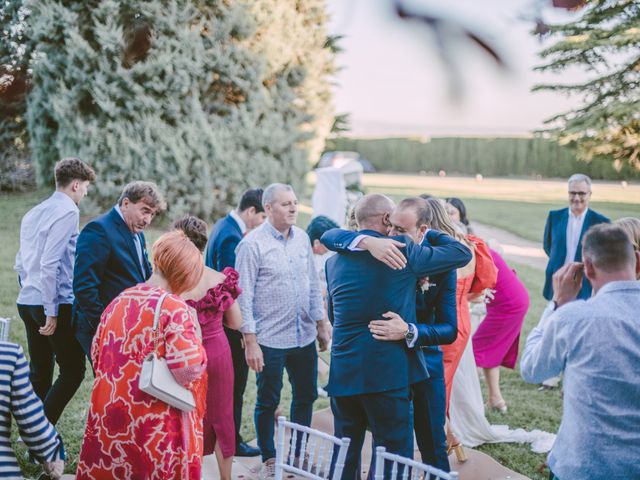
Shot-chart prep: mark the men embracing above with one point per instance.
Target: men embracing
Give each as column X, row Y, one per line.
column 370, row 380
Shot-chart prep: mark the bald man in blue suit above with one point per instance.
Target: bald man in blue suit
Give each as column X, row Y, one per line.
column 370, row 380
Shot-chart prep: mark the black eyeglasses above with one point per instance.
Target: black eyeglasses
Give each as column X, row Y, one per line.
column 579, row 194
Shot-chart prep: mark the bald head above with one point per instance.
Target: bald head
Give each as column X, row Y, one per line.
column 372, row 212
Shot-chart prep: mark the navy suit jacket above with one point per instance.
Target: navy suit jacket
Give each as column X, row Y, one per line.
column 221, row 247
column 106, row 263
column 555, row 246
column 361, row 289
column 437, row 319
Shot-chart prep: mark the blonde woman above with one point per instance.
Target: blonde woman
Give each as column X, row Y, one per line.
column 631, row 227
column 480, row 273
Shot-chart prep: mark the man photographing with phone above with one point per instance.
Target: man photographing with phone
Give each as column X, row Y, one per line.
column 596, row 343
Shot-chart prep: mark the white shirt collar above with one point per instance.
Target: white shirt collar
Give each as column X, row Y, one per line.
column 578, row 217
column 239, row 221
column 117, row 207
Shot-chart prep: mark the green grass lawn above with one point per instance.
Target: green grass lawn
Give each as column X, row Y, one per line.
column 528, row 408
column 516, row 205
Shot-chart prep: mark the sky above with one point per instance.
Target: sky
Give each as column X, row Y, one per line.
column 393, row 83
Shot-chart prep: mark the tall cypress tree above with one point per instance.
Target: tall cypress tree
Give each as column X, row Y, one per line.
column 189, row 94
column 15, row 168
column 605, row 42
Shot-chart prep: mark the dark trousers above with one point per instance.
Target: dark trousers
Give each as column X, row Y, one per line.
column 61, row 348
column 240, row 375
column 429, row 413
column 387, row 414
column 84, row 334
column 302, row 368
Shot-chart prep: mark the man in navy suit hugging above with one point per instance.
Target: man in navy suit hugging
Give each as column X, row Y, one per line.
column 370, row 380
column 111, row 256
column 437, row 325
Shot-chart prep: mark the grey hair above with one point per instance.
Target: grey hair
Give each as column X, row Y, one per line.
column 580, row 177
column 269, row 194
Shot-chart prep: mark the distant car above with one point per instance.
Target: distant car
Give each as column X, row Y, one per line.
column 340, row 159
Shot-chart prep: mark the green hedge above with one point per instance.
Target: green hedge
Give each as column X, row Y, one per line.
column 470, row 156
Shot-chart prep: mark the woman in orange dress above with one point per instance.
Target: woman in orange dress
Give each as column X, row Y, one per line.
column 479, row 274
column 131, row 434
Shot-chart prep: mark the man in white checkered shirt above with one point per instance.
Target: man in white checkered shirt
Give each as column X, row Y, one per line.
column 283, row 314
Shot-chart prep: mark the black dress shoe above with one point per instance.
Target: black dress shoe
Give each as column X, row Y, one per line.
column 245, row 450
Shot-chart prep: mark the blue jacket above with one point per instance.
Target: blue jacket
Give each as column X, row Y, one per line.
column 106, row 264
column 555, row 246
column 437, row 319
column 221, row 247
column 361, row 289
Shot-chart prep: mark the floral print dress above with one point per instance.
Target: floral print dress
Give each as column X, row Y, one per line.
column 130, row 434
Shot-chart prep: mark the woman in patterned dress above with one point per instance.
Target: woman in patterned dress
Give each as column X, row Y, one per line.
column 130, row 434
column 214, row 298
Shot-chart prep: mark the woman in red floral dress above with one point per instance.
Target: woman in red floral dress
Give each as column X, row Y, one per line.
column 214, row 300
column 130, row 434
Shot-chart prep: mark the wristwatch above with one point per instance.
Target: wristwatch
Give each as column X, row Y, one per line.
column 409, row 335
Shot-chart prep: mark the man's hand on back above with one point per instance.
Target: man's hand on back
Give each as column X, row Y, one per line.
column 387, row 250
column 392, row 329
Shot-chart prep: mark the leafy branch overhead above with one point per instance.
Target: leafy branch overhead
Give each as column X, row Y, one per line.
column 605, row 43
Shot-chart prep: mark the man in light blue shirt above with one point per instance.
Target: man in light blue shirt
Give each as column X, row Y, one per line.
column 596, row 343
column 282, row 313
column 44, row 263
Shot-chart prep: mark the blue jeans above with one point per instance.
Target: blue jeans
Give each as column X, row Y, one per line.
column 301, row 364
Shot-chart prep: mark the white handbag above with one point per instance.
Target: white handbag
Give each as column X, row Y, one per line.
column 156, row 378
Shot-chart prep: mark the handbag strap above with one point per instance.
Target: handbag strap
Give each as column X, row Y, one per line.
column 156, row 321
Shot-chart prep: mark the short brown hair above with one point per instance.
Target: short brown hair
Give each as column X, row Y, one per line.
column 143, row 191
column 608, row 247
column 178, row 260
column 194, row 228
column 69, row 169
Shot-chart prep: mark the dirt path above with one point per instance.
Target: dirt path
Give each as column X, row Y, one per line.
column 512, row 247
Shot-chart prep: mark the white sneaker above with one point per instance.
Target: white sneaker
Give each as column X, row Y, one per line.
column 268, row 470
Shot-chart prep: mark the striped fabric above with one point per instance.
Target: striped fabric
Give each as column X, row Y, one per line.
column 18, row 399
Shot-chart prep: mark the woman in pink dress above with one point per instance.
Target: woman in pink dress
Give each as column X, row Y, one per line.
column 214, row 301
column 495, row 343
